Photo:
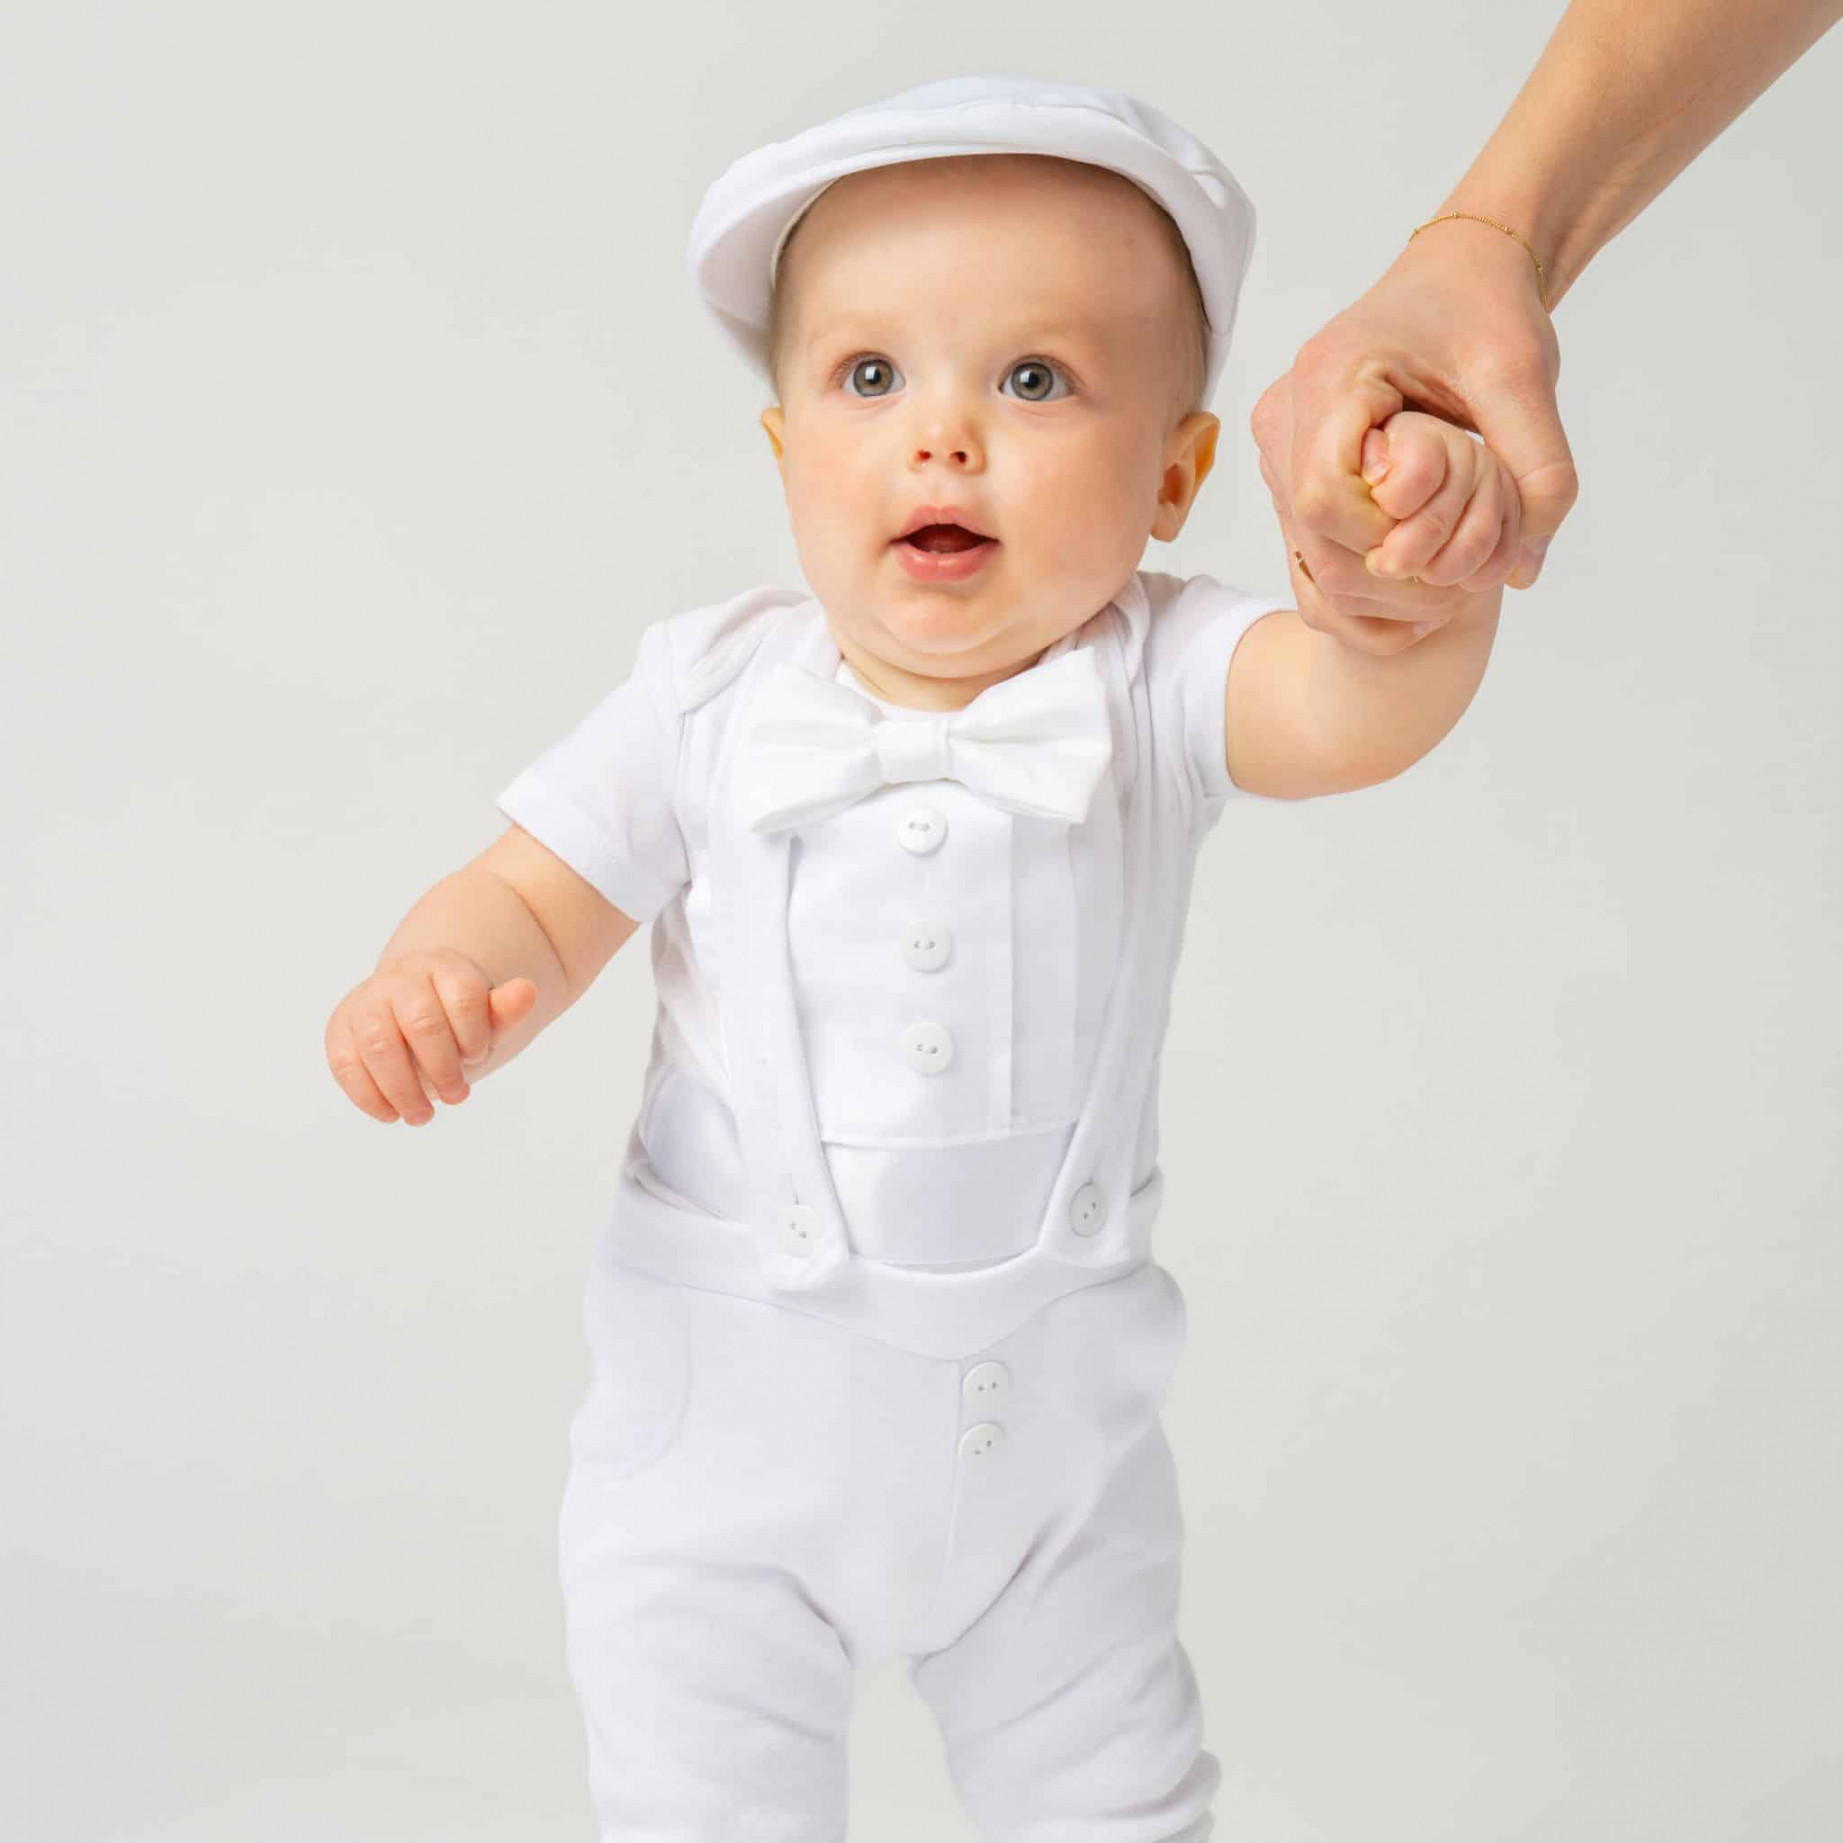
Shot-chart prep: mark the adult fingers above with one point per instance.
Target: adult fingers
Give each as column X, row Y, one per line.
column 1329, row 592
column 1514, row 407
column 1333, row 405
column 1332, row 590
column 1275, row 418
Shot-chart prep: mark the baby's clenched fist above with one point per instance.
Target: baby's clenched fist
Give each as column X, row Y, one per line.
column 1455, row 503
column 414, row 1028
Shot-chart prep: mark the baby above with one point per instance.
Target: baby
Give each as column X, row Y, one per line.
column 878, row 1347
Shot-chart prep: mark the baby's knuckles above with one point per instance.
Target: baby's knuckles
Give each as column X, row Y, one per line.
column 1423, row 451
column 431, row 993
column 1494, row 501
column 426, row 1022
column 345, row 1057
column 1439, row 455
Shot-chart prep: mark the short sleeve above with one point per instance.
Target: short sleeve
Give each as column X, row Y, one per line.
column 1190, row 644
column 603, row 797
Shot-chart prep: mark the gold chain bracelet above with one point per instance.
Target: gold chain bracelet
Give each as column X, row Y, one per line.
column 1542, row 286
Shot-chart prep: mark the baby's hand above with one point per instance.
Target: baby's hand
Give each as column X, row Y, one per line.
column 1455, row 504
column 419, row 1021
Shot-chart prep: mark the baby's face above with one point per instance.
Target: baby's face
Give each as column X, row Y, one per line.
column 997, row 334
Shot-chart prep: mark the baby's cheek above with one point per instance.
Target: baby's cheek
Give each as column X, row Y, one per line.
column 1093, row 528
column 831, row 523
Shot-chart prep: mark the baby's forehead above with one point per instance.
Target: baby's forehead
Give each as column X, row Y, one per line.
column 1096, row 228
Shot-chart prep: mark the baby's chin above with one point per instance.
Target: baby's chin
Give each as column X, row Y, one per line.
column 942, row 635
column 963, row 630
column 974, row 657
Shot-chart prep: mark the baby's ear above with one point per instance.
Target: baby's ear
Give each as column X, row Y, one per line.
column 1190, row 453
column 774, row 420
column 1205, row 441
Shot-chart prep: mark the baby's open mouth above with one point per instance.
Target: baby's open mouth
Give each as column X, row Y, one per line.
column 944, row 538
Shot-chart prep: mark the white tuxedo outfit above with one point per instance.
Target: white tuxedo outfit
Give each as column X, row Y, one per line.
column 878, row 1344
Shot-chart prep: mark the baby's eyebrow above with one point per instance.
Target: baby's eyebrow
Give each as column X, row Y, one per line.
column 1024, row 333
column 831, row 329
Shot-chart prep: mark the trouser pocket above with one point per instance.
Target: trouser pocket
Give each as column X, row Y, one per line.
column 640, row 1371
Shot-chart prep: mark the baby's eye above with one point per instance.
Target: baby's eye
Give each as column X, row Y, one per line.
column 1038, row 371
column 874, row 366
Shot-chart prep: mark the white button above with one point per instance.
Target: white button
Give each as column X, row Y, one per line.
column 1088, row 1209
column 928, row 1047
column 799, row 1227
column 983, row 1441
column 925, row 945
column 987, row 1385
column 921, row 829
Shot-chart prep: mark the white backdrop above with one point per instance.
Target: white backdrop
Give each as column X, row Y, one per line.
column 357, row 416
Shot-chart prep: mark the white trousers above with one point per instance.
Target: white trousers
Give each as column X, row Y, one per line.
column 760, row 1501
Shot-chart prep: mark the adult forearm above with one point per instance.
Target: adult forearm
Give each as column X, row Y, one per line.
column 1383, row 712
column 1625, row 95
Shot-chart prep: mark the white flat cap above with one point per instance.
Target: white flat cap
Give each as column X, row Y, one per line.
column 746, row 214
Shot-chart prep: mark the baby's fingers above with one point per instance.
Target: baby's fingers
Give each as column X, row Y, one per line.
column 462, row 989
column 1461, row 526
column 1484, row 521
column 349, row 1070
column 422, row 1016
column 1404, row 463
column 378, row 1039
column 1497, row 568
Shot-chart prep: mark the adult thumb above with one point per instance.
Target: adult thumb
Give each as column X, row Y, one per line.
column 1520, row 424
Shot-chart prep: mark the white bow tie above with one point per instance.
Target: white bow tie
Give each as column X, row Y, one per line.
column 1037, row 742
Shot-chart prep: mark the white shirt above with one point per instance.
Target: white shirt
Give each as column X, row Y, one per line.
column 1028, row 918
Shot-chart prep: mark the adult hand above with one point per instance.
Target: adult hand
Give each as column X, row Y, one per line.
column 1454, row 327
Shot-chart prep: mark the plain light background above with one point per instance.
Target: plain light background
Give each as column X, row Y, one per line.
column 358, row 415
